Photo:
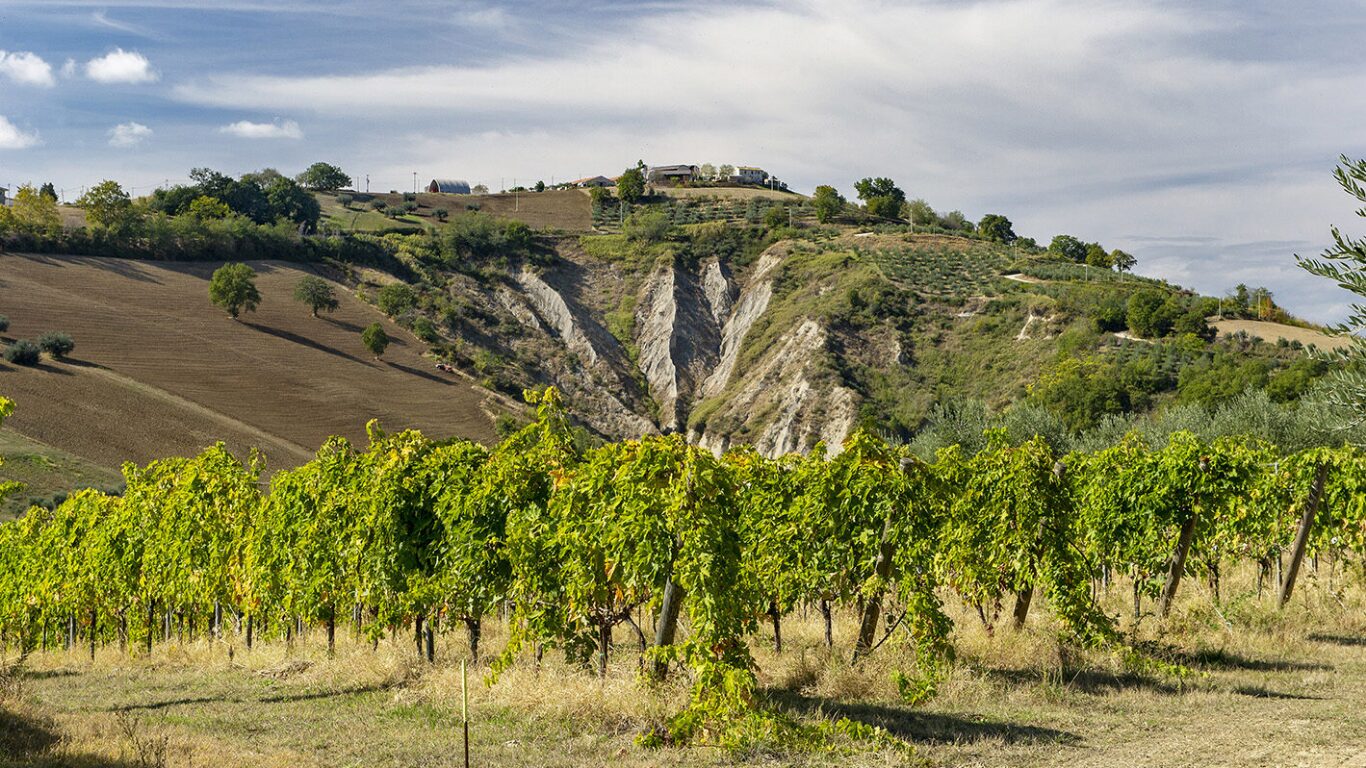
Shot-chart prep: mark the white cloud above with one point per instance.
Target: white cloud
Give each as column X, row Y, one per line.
column 128, row 134
column 488, row 18
column 13, row 138
column 245, row 129
column 120, row 66
column 26, row 68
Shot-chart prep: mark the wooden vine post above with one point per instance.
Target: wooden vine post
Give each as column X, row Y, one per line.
column 1311, row 509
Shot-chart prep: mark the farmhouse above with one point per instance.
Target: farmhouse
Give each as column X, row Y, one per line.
column 671, row 174
column 449, row 187
column 746, row 174
column 593, row 181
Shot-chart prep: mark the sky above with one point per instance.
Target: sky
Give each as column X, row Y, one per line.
column 1200, row 135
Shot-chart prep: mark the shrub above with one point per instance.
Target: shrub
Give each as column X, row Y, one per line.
column 425, row 330
column 22, row 352
column 56, row 343
column 441, row 214
column 649, row 226
column 346, row 200
column 409, row 197
column 4, row 323
column 378, row 205
column 396, row 298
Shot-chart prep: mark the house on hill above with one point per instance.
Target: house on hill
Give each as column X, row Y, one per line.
column 593, row 181
column 671, row 174
column 449, row 187
column 746, row 174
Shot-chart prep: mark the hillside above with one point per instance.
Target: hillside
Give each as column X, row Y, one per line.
column 159, row 371
column 782, row 338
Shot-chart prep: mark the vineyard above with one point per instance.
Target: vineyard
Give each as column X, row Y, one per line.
column 688, row 553
column 701, row 209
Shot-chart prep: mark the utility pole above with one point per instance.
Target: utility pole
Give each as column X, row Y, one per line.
column 414, row 182
column 367, row 183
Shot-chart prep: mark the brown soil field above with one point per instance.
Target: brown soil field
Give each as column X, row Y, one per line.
column 566, row 209
column 159, row 371
column 1274, row 331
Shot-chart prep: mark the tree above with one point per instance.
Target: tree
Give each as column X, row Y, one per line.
column 1122, row 260
column 1067, row 248
column 293, row 203
column 725, row 171
column 540, row 186
column 631, row 185
column 57, row 344
column 994, row 226
column 828, row 203
column 107, row 205
column 599, row 196
column 317, row 294
column 233, row 287
column 955, row 220
column 881, row 196
column 324, row 177
column 48, row 191
column 479, row 189
column 920, row 213
column 707, row 171
column 205, row 208
column 1151, row 314
column 375, row 339
column 35, row 213
column 1345, row 264
column 1096, row 256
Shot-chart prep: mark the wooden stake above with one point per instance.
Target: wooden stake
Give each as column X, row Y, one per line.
column 465, row 710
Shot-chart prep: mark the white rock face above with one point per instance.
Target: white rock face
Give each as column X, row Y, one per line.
column 597, row 392
column 752, row 304
column 780, row 384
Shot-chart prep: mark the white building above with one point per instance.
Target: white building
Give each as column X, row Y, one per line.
column 746, row 174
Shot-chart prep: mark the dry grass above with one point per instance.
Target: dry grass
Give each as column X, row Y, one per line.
column 1265, row 688
column 1276, row 331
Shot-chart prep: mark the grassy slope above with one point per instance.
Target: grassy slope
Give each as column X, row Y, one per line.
column 1268, row 689
column 45, row 471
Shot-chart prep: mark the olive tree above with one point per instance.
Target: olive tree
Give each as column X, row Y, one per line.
column 1345, row 264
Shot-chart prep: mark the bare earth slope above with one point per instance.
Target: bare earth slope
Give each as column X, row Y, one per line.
column 159, row 371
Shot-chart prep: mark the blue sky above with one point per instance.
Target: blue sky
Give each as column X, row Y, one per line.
column 1200, row 136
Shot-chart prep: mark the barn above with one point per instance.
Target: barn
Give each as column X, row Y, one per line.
column 449, row 187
